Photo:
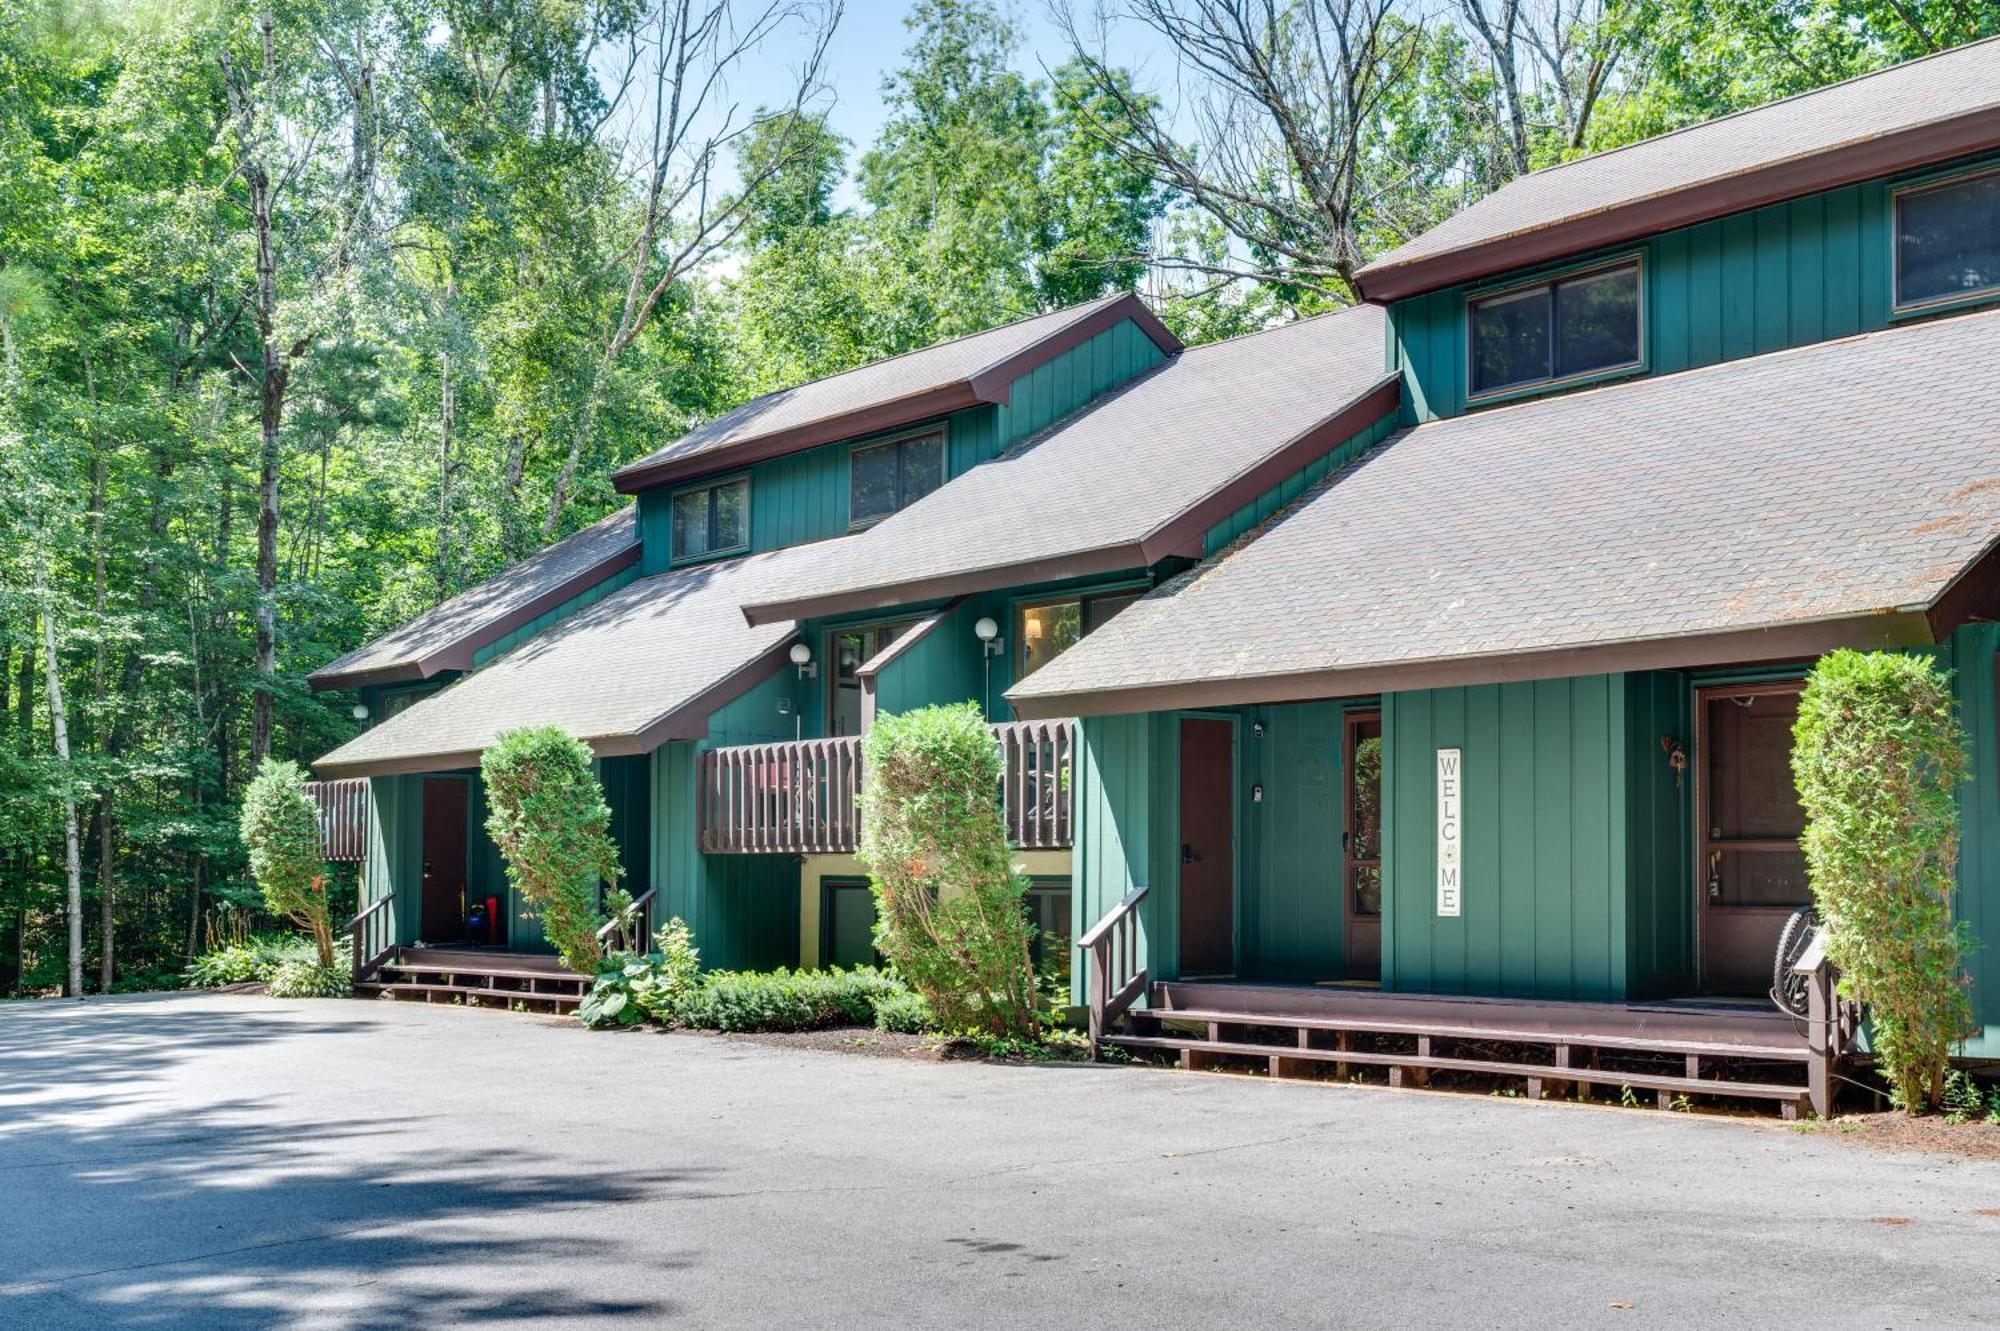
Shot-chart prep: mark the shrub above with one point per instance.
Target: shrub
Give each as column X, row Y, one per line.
column 255, row 957
column 303, row 978
column 950, row 913
column 280, row 827
column 1877, row 754
column 785, row 1000
column 549, row 819
column 905, row 1013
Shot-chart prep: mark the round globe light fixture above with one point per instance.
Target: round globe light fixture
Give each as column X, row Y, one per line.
column 986, row 630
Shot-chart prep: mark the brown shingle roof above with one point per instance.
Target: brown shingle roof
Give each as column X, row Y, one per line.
column 1926, row 111
column 1766, row 509
column 1138, row 474
column 645, row 665
column 446, row 636
column 901, row 390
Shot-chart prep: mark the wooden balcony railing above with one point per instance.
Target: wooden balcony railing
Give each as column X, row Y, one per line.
column 804, row 797
column 343, row 818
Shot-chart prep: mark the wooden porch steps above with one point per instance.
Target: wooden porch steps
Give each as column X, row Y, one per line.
column 504, row 979
column 1721, row 1053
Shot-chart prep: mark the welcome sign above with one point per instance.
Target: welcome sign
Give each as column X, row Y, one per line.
column 1450, row 820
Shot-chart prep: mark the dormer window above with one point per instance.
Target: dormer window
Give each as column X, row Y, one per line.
column 712, row 520
column 1555, row 332
column 1948, row 241
column 887, row 477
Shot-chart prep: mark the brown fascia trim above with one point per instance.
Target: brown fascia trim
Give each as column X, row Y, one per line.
column 991, row 385
column 689, row 720
column 458, row 654
column 1974, row 594
column 1184, row 534
column 1907, row 149
column 406, row 766
column 964, row 582
column 1788, row 642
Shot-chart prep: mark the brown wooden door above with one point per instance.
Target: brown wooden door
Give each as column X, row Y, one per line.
column 1208, row 849
column 1750, row 874
column 444, row 860
column 1361, row 846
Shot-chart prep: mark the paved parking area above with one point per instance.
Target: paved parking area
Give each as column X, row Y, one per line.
column 219, row 1161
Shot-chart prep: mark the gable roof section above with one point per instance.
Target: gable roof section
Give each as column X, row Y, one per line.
column 886, row 394
column 645, row 665
column 1912, row 115
column 1767, row 509
column 446, row 636
column 1138, row 474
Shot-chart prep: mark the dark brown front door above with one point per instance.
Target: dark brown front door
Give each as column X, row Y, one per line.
column 1208, row 851
column 1361, row 846
column 444, row 860
column 1749, row 872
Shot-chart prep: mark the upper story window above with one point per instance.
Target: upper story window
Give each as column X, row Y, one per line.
column 1047, row 630
column 892, row 475
column 712, row 520
column 1555, row 331
column 1948, row 241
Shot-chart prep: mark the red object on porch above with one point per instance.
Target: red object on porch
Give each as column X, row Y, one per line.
column 493, row 920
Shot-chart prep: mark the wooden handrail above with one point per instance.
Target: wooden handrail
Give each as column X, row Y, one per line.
column 1832, row 1026
column 371, row 938
column 640, row 910
column 1114, row 975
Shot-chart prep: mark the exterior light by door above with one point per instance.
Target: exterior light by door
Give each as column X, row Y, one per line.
column 987, row 630
column 802, row 657
column 359, row 711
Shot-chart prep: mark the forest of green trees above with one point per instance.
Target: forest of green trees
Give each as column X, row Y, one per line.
column 314, row 313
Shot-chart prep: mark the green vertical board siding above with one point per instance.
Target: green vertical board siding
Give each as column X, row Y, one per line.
column 946, row 665
column 1659, row 831
column 1125, row 765
column 803, row 497
column 550, row 618
column 1972, row 654
column 1289, row 893
column 395, row 850
column 1289, row 489
column 1544, row 910
column 1788, row 275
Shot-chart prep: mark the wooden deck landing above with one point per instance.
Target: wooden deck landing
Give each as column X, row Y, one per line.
column 1671, row 1049
column 478, row 977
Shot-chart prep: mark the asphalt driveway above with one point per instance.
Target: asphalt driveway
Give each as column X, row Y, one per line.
column 217, row 1161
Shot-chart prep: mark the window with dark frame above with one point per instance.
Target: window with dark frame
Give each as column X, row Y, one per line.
column 850, row 649
column 712, row 520
column 888, row 477
column 1046, row 630
column 1555, row 331
column 1948, row 241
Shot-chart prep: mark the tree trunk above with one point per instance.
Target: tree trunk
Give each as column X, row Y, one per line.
column 72, row 852
column 446, row 406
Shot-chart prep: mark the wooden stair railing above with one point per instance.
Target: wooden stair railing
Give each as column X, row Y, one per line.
column 621, row 926
column 1832, row 1026
column 1115, row 977
column 371, row 937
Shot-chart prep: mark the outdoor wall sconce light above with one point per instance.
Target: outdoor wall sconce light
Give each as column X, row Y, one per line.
column 1256, row 794
column 987, row 630
column 1257, row 732
column 359, row 711
column 802, row 657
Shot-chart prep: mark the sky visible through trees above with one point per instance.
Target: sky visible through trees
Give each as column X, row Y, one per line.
column 313, row 314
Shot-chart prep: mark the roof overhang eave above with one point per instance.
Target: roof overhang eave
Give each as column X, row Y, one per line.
column 1382, row 281
column 1776, row 642
column 1121, row 557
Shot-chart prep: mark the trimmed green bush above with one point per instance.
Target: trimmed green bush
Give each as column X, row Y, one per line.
column 786, row 1000
column 1877, row 755
column 905, row 1013
column 630, row 988
column 950, row 911
column 547, row 815
column 280, row 828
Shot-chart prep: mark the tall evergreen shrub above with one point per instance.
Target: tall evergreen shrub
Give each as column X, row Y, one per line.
column 547, row 815
column 1877, row 753
column 950, row 911
column 280, row 829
